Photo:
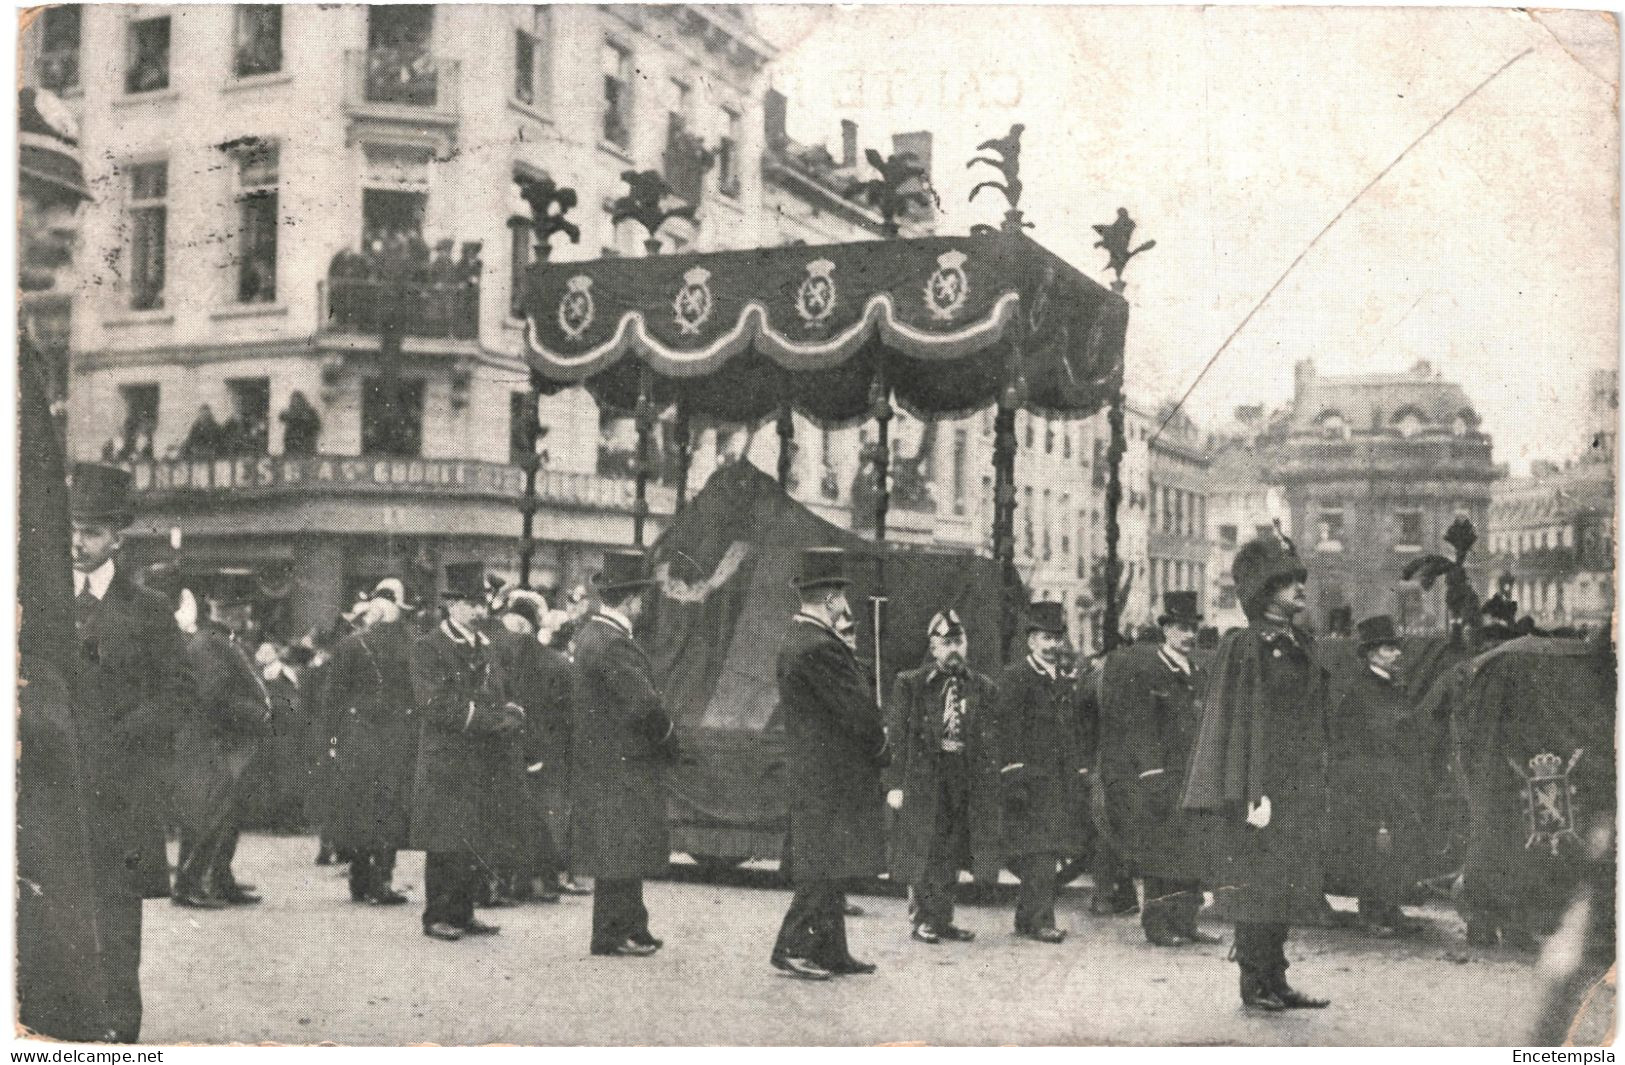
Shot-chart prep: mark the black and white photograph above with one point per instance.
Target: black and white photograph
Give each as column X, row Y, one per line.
column 787, row 525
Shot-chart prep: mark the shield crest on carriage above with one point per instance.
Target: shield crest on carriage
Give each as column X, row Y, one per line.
column 1549, row 805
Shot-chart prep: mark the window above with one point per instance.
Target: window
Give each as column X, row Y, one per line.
column 530, row 61
column 1027, row 520
column 245, row 432
column 140, row 420
column 1066, row 535
column 728, row 153
column 1408, row 424
column 522, row 242
column 1333, row 427
column 391, row 416
column 147, row 58
column 961, row 459
column 257, row 169
column 1027, row 429
column 259, row 40
column 616, row 62
column 401, row 66
column 1408, row 531
column 1049, row 436
column 59, row 48
column 1331, row 528
column 149, row 221
column 1044, row 518
column 1066, row 441
column 1227, row 597
column 1152, row 518
column 1227, row 536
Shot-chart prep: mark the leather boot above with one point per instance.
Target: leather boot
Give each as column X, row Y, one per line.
column 1256, row 992
column 1294, row 1000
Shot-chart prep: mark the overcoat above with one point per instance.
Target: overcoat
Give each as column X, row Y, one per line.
column 835, row 746
column 540, row 679
column 371, row 712
column 1264, row 734
column 625, row 743
column 463, row 737
column 132, row 689
column 1043, row 777
column 1378, row 751
column 1148, row 729
column 222, row 734
column 914, row 727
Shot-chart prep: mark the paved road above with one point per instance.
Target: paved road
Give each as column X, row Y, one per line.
column 308, row 966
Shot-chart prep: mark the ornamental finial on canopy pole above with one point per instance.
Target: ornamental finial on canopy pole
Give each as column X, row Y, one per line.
column 647, row 190
column 904, row 182
column 1008, row 164
column 549, row 203
column 1115, row 238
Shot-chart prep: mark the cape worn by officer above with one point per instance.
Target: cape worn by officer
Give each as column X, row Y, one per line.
column 624, row 746
column 1148, row 728
column 943, row 781
column 836, row 746
column 1043, row 771
column 1260, row 764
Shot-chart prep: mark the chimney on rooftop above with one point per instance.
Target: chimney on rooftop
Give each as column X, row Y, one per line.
column 775, row 108
column 849, row 143
column 1303, row 375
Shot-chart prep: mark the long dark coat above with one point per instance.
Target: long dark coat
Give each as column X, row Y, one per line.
column 370, row 710
column 914, row 726
column 59, row 979
column 222, row 734
column 1264, row 733
column 1378, row 751
column 1043, row 776
column 540, row 679
column 624, row 743
column 132, row 690
column 1148, row 728
column 835, row 746
column 462, row 745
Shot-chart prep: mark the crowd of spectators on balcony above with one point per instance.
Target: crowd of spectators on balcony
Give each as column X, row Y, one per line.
column 395, row 276
column 210, row 438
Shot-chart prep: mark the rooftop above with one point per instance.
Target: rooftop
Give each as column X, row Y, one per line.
column 1417, row 400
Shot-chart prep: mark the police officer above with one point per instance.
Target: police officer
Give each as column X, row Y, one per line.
column 943, row 781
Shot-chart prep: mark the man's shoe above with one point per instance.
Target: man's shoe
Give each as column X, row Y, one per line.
column 1196, row 935
column 1044, row 935
column 955, row 934
column 1256, row 994
column 644, row 939
column 443, row 931
column 570, row 887
column 853, row 910
column 194, row 901
column 1159, row 936
column 480, row 928
column 625, row 948
column 547, row 896
column 1297, row 1000
column 236, row 896
column 926, row 935
column 801, row 968
column 852, row 967
column 385, row 898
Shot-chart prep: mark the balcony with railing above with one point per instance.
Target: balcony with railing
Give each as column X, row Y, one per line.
column 368, row 294
column 400, row 83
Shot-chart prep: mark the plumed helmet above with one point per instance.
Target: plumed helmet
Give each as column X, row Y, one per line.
column 1261, row 564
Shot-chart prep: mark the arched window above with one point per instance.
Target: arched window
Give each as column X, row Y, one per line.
column 1409, row 421
column 1333, row 426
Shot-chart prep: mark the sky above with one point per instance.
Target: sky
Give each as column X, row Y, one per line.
column 1234, row 136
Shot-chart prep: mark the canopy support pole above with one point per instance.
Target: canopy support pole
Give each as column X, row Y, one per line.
column 1004, row 518
column 645, row 422
column 531, row 463
column 787, row 439
column 1114, row 498
column 684, row 439
column 880, row 405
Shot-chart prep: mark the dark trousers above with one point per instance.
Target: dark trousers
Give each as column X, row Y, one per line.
column 1261, row 948
column 118, row 932
column 618, row 913
column 1170, row 905
column 950, row 846
column 450, row 879
column 814, row 929
column 205, row 860
column 1035, row 905
column 371, row 872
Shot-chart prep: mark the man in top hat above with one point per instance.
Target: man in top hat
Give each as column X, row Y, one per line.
column 1148, row 728
column 943, row 781
column 1377, row 768
column 467, row 719
column 623, row 745
column 216, row 742
column 836, row 746
column 1043, row 770
column 1259, row 764
column 130, row 688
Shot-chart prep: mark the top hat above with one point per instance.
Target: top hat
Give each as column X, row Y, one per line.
column 821, row 567
column 623, row 570
column 1045, row 616
column 101, row 495
column 463, row 583
column 946, row 624
column 1501, row 607
column 1179, row 608
column 1260, row 564
column 1376, row 631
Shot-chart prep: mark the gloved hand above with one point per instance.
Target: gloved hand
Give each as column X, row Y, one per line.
column 1258, row 814
column 894, row 798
